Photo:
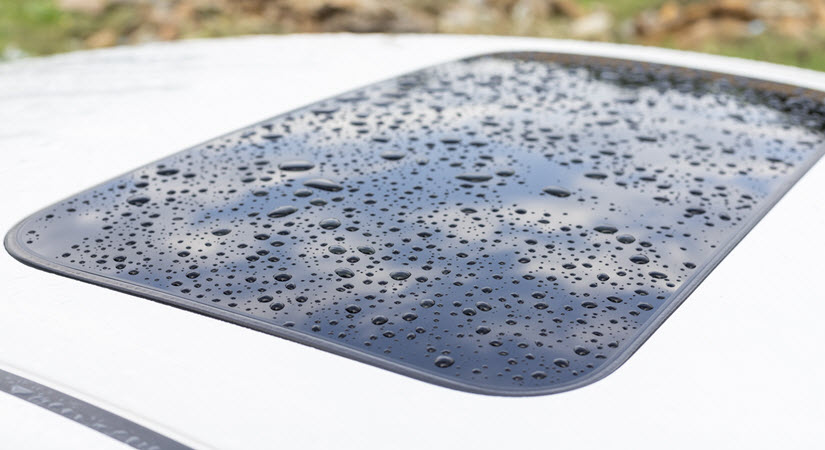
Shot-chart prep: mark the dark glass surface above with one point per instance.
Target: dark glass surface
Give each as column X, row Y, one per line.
column 508, row 224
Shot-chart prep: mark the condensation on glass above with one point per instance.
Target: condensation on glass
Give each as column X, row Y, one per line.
column 509, row 224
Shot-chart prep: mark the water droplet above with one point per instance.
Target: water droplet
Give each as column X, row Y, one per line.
column 639, row 259
column 323, row 184
column 561, row 362
column 277, row 306
column 400, row 275
column 556, row 191
column 393, row 155
column 475, row 177
column 344, row 272
column 443, row 361
column 606, row 229
column 581, row 351
column 138, row 200
column 297, row 165
column 282, row 211
column 625, row 239
column 167, row 172
column 366, row 250
column 329, row 224
column 337, row 250
column 379, row 320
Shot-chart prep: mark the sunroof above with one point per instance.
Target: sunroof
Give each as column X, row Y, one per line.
column 511, row 224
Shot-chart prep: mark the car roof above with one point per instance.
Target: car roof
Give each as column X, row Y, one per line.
column 76, row 119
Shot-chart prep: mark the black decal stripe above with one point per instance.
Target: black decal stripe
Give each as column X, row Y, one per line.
column 88, row 415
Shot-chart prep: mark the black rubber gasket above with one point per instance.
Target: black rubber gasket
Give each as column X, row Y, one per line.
column 599, row 325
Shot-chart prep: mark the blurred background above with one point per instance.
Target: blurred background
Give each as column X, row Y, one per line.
column 782, row 31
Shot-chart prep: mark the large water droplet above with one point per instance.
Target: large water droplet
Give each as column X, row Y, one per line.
column 400, row 275
column 625, row 238
column 329, row 224
column 379, row 320
column 561, row 362
column 639, row 259
column 475, row 177
column 138, row 200
column 556, row 191
column 606, row 229
column 393, row 155
column 167, row 172
column 443, row 361
column 282, row 211
column 366, row 250
column 297, row 165
column 323, row 184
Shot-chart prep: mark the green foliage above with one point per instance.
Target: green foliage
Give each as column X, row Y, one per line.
column 34, row 26
column 622, row 9
column 802, row 52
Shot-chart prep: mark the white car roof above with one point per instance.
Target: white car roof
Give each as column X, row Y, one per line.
column 750, row 377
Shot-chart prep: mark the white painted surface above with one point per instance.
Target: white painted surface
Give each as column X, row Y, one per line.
column 728, row 370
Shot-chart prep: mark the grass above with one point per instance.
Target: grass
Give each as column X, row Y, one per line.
column 34, row 26
column 805, row 53
column 622, row 9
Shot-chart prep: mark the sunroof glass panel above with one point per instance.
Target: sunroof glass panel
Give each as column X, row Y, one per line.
column 507, row 224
